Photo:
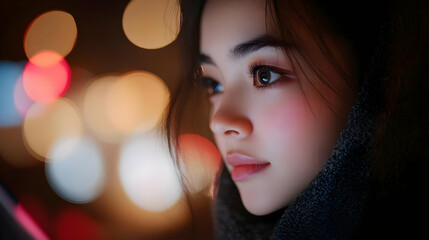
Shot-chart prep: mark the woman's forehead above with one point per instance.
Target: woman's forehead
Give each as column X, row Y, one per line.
column 227, row 23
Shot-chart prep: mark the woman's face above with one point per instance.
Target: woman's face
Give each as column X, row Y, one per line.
column 273, row 129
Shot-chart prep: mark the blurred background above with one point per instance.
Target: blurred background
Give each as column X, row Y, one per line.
column 83, row 87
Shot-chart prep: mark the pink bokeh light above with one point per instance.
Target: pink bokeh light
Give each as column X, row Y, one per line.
column 28, row 223
column 46, row 77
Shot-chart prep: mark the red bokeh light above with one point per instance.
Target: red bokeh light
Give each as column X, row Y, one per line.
column 202, row 161
column 73, row 223
column 46, row 76
column 197, row 148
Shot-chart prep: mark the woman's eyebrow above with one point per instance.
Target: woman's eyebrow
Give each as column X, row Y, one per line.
column 247, row 47
column 253, row 45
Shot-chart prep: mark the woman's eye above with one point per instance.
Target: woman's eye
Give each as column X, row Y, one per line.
column 263, row 76
column 212, row 86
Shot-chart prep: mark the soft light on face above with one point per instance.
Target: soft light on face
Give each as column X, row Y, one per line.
column 273, row 132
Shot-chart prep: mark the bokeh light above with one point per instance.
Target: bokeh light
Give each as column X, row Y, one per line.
column 54, row 30
column 78, row 130
column 28, row 223
column 46, row 76
column 202, row 160
column 73, row 223
column 9, row 75
column 79, row 176
column 95, row 109
column 37, row 209
column 45, row 124
column 147, row 173
column 137, row 101
column 151, row 24
column 21, row 99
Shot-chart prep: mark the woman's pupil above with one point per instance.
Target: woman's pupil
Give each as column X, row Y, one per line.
column 264, row 76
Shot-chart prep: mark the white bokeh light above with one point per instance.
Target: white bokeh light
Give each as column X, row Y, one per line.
column 147, row 172
column 77, row 177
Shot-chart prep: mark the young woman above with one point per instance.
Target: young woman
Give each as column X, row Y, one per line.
column 297, row 90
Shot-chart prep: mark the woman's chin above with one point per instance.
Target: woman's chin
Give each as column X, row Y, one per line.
column 259, row 204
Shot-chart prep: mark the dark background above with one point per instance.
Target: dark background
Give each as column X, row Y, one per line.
column 101, row 48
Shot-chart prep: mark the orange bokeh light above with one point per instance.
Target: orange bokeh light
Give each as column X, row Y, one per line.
column 53, row 31
column 136, row 102
column 151, row 24
column 95, row 108
column 45, row 124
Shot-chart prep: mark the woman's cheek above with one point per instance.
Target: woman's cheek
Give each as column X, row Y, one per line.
column 289, row 120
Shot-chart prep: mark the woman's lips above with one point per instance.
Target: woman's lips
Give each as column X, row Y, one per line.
column 244, row 166
column 243, row 172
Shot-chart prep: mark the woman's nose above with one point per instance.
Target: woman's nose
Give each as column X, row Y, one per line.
column 229, row 123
